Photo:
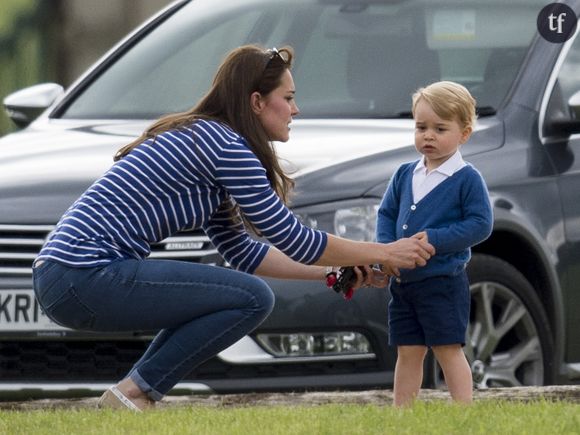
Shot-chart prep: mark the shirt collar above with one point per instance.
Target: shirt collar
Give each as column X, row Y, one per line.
column 448, row 168
column 420, row 167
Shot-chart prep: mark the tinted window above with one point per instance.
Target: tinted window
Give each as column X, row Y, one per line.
column 353, row 60
column 569, row 76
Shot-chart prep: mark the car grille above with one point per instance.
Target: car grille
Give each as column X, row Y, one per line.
column 83, row 361
column 64, row 360
column 20, row 244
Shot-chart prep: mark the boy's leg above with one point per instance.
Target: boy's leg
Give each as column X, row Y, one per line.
column 444, row 316
column 408, row 374
column 456, row 371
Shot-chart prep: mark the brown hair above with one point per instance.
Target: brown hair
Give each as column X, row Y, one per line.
column 245, row 70
column 449, row 100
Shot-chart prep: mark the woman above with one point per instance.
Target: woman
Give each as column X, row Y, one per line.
column 214, row 168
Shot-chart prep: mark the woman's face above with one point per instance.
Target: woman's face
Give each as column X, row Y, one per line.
column 276, row 109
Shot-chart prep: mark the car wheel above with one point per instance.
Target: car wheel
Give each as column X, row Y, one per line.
column 508, row 342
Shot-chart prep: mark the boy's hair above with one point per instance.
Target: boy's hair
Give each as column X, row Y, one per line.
column 449, row 100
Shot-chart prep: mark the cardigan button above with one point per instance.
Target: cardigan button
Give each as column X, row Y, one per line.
column 413, row 207
column 405, row 226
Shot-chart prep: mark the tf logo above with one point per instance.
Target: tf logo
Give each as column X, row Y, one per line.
column 557, row 22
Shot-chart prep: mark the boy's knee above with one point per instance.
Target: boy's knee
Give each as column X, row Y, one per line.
column 447, row 349
column 412, row 352
column 448, row 354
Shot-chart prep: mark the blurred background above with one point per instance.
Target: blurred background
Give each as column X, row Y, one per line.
column 56, row 40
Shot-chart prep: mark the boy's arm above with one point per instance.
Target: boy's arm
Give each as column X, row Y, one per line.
column 476, row 225
column 387, row 213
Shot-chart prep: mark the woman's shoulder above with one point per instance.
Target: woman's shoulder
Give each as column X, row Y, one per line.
column 219, row 139
column 216, row 129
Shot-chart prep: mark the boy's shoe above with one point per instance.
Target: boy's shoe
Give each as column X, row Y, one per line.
column 113, row 398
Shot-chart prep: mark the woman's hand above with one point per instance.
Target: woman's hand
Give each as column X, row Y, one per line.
column 371, row 278
column 408, row 253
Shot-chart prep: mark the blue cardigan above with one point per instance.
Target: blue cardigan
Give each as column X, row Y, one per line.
column 456, row 215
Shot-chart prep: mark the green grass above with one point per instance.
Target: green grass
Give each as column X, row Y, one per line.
column 485, row 417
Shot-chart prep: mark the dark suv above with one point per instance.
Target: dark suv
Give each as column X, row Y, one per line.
column 358, row 63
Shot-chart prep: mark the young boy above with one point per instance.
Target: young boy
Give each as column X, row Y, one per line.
column 444, row 200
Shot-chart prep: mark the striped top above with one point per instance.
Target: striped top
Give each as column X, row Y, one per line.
column 174, row 183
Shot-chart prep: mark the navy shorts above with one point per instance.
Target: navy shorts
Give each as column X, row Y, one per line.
column 431, row 312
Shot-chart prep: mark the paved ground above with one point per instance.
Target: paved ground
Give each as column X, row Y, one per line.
column 376, row 397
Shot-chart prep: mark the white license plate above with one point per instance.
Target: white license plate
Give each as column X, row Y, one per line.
column 19, row 311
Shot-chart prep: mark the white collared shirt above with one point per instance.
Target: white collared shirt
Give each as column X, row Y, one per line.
column 424, row 182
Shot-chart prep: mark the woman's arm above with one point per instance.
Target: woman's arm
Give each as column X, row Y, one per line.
column 403, row 254
column 277, row 265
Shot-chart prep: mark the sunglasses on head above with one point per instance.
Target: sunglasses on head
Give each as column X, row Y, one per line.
column 274, row 53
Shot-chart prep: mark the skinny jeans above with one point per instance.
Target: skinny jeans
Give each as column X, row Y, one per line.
column 199, row 310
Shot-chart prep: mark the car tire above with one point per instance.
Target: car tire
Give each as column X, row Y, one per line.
column 508, row 340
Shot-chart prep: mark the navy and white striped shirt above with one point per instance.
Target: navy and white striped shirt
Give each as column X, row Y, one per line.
column 175, row 183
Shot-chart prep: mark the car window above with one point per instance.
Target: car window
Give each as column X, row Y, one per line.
column 567, row 83
column 360, row 60
column 569, row 75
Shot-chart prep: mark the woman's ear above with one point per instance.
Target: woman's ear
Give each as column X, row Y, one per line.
column 256, row 102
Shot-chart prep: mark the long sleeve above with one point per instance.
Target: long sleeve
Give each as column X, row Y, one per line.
column 475, row 224
column 389, row 211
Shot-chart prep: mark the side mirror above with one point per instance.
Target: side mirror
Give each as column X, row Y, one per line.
column 574, row 105
column 566, row 124
column 25, row 105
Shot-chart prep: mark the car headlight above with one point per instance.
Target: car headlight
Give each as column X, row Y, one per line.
column 354, row 219
column 340, row 343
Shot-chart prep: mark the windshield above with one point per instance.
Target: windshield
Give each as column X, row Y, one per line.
column 353, row 59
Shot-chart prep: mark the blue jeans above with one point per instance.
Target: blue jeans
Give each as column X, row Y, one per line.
column 198, row 309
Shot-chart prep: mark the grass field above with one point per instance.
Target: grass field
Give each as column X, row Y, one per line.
column 486, row 417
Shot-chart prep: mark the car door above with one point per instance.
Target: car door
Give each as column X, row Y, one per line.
column 562, row 138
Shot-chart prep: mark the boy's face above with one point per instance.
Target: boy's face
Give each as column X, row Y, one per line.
column 436, row 138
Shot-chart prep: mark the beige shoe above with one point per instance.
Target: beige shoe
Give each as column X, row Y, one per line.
column 113, row 398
